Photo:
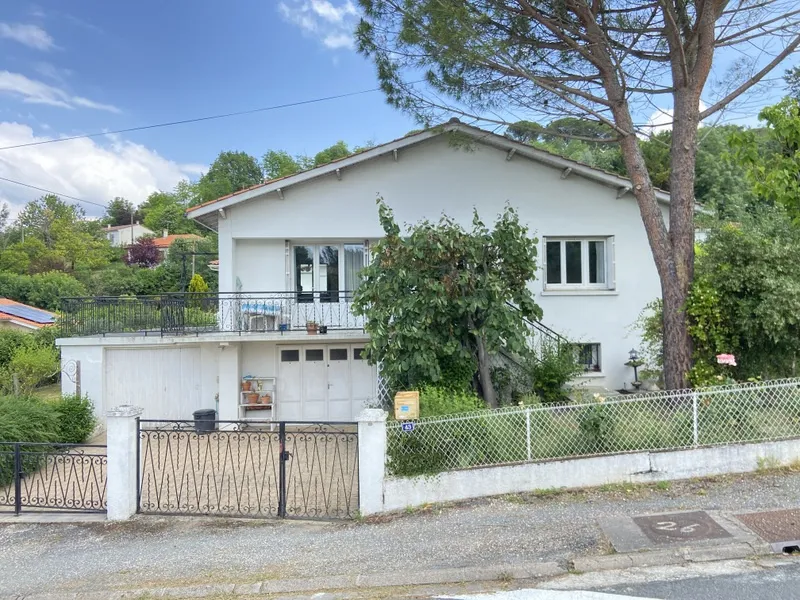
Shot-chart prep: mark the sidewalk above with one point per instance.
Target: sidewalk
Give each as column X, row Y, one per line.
column 532, row 535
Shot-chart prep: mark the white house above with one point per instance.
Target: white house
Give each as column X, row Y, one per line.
column 290, row 250
column 125, row 235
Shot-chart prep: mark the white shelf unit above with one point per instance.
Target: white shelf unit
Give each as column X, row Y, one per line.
column 260, row 411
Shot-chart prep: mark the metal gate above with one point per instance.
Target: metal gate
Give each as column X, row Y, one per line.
column 242, row 469
column 44, row 476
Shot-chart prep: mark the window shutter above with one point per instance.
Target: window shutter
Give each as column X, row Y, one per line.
column 612, row 263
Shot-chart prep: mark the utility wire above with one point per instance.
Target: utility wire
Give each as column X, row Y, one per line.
column 59, row 194
column 196, row 120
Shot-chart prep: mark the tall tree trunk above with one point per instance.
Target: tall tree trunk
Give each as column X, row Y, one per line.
column 674, row 281
column 485, row 373
column 677, row 342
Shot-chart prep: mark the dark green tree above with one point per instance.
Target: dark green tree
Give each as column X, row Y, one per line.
column 440, row 291
column 121, row 212
column 230, row 172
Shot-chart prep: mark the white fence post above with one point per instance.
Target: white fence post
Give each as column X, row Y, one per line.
column 122, row 467
column 528, row 431
column 695, row 431
column 371, row 460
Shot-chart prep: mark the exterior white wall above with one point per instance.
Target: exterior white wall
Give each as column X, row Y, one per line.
column 434, row 178
column 636, row 467
column 127, row 235
column 260, row 264
column 259, row 359
column 91, row 365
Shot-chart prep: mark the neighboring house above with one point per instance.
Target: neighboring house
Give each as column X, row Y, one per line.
column 125, row 235
column 164, row 243
column 16, row 315
column 290, row 251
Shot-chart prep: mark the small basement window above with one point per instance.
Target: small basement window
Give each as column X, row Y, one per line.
column 338, row 353
column 315, row 355
column 290, row 355
column 588, row 355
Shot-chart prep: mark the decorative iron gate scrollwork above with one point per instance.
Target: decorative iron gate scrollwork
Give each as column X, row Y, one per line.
column 237, row 469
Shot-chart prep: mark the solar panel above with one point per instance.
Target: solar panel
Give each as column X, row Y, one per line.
column 26, row 312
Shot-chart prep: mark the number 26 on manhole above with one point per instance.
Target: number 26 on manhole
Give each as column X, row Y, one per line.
column 673, row 526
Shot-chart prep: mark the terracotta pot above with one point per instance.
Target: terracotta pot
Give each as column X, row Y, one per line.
column 246, row 385
column 252, row 398
column 311, row 328
column 266, row 398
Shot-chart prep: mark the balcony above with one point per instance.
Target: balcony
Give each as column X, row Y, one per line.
column 195, row 314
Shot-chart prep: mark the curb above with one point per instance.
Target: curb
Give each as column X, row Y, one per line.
column 654, row 558
column 532, row 570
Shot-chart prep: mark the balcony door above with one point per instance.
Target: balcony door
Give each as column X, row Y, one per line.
column 325, row 272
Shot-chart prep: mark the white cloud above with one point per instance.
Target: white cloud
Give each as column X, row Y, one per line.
column 38, row 92
column 332, row 24
column 84, row 168
column 53, row 72
column 661, row 120
column 32, row 36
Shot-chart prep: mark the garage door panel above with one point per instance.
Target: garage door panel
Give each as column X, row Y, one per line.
column 165, row 382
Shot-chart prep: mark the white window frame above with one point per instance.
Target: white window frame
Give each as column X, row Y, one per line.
column 317, row 244
column 610, row 277
column 580, row 345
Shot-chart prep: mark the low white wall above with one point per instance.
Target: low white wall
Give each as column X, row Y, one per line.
column 636, row 467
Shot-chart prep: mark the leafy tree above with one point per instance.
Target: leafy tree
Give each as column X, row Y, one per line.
column 774, row 175
column 143, row 253
column 524, row 131
column 163, row 212
column 14, row 260
column 38, row 217
column 44, row 290
column 441, row 291
column 279, row 163
column 119, row 280
column 578, row 129
column 601, row 60
column 792, row 78
column 230, row 172
column 335, row 152
column 121, row 212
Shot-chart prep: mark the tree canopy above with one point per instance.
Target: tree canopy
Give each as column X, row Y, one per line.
column 440, row 295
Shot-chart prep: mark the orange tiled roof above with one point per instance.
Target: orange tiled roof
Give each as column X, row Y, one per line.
column 166, row 242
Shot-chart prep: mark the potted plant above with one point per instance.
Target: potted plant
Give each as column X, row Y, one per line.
column 252, row 398
column 312, row 327
column 246, row 384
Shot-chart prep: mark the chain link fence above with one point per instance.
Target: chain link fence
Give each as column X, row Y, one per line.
column 605, row 425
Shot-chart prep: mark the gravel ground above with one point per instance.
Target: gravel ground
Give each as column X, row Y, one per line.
column 151, row 551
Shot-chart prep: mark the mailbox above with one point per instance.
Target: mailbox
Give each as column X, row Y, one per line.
column 406, row 406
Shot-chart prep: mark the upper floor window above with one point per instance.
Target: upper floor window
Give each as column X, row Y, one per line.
column 329, row 269
column 578, row 263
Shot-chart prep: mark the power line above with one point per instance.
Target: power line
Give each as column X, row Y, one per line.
column 196, row 120
column 59, row 194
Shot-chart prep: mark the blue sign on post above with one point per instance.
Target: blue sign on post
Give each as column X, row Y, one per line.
column 408, row 426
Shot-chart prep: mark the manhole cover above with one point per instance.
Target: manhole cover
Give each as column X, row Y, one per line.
column 780, row 528
column 680, row 527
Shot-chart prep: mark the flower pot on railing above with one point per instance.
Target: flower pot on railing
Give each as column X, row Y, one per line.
column 246, row 385
column 252, row 398
column 312, row 328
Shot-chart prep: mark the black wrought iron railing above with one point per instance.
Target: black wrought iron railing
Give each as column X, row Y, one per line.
column 196, row 313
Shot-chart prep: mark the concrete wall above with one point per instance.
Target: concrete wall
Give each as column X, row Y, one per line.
column 434, row 178
column 636, row 467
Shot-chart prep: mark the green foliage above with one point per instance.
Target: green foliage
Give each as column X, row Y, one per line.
column 166, row 210
column 335, row 152
column 230, row 172
column 651, row 326
column 524, row 131
column 12, row 340
column 121, row 212
column 76, row 419
column 746, row 299
column 279, row 163
column 43, row 289
column 197, row 285
column 773, row 175
column 441, row 291
column 597, row 424
column 437, row 401
column 27, row 419
column 33, row 365
column 551, row 368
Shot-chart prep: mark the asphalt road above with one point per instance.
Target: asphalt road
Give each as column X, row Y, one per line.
column 732, row 580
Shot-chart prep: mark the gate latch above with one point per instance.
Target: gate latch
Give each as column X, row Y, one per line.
column 285, row 455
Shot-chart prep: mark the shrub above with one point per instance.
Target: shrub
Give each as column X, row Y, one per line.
column 33, row 365
column 12, row 340
column 597, row 425
column 435, row 401
column 76, row 419
column 551, row 369
column 27, row 419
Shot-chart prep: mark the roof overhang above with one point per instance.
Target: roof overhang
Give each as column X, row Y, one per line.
column 208, row 214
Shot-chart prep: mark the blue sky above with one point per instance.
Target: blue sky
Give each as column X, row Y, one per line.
column 93, row 65
column 71, row 68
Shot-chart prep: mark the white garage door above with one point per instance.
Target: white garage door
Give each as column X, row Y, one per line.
column 163, row 381
column 323, row 383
